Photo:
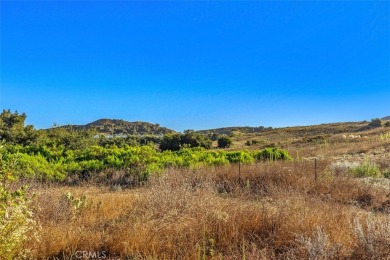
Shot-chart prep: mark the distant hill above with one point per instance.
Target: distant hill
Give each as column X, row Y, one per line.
column 259, row 137
column 329, row 128
column 385, row 118
column 229, row 130
column 122, row 127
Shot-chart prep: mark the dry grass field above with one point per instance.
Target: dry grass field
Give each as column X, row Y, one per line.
column 269, row 210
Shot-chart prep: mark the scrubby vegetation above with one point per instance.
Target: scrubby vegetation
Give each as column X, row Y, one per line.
column 367, row 169
column 121, row 127
column 376, row 122
column 224, row 142
column 283, row 194
column 67, row 154
column 270, row 211
column 62, row 164
column 17, row 224
column 189, row 139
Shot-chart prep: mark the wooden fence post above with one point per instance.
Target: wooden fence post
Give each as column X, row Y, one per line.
column 239, row 171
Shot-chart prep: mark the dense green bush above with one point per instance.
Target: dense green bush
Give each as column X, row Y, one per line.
column 224, row 142
column 190, row 139
column 16, row 223
column 239, row 157
column 64, row 153
column 272, row 154
column 367, row 169
column 16, row 219
column 39, row 167
column 170, row 142
column 253, row 142
column 386, row 173
column 213, row 136
column 13, row 130
column 376, row 122
column 131, row 140
column 58, row 163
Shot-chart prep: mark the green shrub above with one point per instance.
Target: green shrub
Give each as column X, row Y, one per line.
column 56, row 164
column 38, row 167
column 16, row 219
column 224, row 142
column 386, row 173
column 367, row 169
column 272, row 154
column 193, row 139
column 170, row 142
column 376, row 122
column 235, row 133
column 239, row 156
column 254, row 141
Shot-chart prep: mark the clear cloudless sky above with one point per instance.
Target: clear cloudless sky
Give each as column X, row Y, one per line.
column 196, row 65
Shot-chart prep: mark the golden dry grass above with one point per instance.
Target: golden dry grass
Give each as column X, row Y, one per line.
column 268, row 211
column 272, row 210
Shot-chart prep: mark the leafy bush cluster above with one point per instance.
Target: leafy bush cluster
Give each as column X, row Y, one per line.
column 224, row 142
column 367, row 169
column 189, row 139
column 253, row 142
column 16, row 219
column 13, row 130
column 60, row 153
column 376, row 122
column 58, row 163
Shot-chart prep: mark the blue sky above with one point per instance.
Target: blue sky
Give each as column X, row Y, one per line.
column 195, row 65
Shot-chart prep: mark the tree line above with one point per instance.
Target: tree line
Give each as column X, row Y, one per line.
column 60, row 154
column 14, row 131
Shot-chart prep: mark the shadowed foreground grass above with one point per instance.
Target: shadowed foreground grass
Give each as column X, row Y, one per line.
column 272, row 210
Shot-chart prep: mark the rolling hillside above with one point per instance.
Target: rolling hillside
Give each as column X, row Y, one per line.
column 122, row 127
column 331, row 128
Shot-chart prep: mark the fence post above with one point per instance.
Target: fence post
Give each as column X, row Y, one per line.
column 315, row 169
column 239, row 171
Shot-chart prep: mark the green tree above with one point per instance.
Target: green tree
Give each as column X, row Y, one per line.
column 224, row 142
column 272, row 154
column 71, row 138
column 213, row 136
column 376, row 122
column 13, row 130
column 192, row 139
column 170, row 142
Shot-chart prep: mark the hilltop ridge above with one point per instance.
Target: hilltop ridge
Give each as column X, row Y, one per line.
column 122, row 127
